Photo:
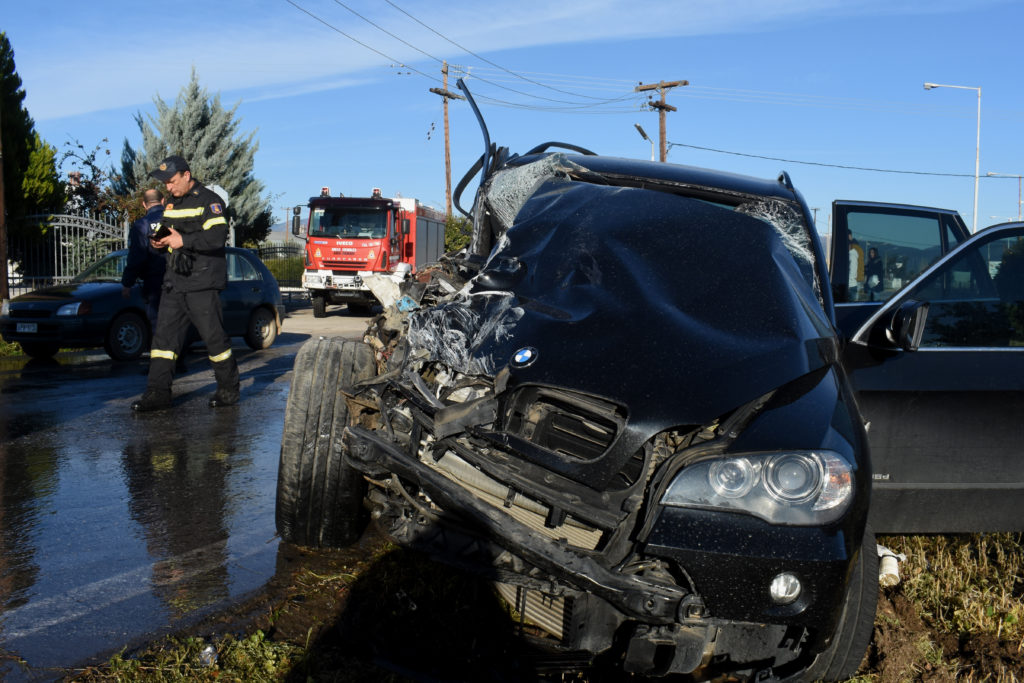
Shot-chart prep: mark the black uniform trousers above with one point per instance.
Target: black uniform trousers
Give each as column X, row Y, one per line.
column 202, row 309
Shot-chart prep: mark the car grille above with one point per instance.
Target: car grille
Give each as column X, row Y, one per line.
column 525, row 510
column 573, row 425
column 30, row 313
column 340, row 267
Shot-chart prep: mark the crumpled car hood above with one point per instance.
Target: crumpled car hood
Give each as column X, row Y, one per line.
column 676, row 308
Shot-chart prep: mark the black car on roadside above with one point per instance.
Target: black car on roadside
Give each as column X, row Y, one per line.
column 624, row 403
column 90, row 312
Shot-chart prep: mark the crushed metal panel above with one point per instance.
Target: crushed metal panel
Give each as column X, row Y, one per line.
column 728, row 303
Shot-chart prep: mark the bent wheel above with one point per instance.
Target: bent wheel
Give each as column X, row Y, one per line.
column 319, row 497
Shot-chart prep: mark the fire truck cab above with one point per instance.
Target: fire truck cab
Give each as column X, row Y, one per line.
column 349, row 238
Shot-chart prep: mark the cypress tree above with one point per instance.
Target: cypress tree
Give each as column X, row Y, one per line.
column 199, row 128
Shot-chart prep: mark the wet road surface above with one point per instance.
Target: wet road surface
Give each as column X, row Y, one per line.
column 117, row 527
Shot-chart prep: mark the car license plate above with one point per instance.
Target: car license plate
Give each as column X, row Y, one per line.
column 30, row 328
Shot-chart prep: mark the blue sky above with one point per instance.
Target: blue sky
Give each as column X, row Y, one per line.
column 338, row 91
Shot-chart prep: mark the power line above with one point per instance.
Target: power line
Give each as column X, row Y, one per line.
column 356, row 40
column 484, row 59
column 818, row 163
column 439, row 61
column 384, row 30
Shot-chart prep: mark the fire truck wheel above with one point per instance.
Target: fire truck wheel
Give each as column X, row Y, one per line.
column 319, row 497
column 319, row 306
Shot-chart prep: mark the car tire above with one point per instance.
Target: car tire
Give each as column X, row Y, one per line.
column 842, row 658
column 39, row 350
column 262, row 329
column 319, row 496
column 127, row 337
column 319, row 306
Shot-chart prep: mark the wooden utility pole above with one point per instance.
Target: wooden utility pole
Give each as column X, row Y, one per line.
column 4, row 293
column 662, row 87
column 446, row 95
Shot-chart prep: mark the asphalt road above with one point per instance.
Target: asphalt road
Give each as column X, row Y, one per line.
column 117, row 527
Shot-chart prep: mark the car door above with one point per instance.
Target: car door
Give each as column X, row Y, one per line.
column 945, row 421
column 904, row 240
column 242, row 295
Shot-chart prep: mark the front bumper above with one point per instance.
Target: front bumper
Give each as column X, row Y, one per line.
column 68, row 332
column 632, row 595
column 729, row 560
column 329, row 280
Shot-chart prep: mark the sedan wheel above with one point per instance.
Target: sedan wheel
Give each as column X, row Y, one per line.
column 262, row 329
column 127, row 337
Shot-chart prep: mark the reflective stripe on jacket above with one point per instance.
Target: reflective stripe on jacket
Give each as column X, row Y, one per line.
column 200, row 218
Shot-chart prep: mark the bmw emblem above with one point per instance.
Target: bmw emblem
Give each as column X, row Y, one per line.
column 524, row 357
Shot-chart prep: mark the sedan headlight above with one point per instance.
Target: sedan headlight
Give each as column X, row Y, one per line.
column 73, row 309
column 799, row 488
column 5, row 308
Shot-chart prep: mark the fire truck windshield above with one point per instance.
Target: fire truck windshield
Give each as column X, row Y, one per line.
column 349, row 222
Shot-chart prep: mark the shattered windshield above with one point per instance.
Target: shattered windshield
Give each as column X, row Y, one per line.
column 513, row 186
column 368, row 223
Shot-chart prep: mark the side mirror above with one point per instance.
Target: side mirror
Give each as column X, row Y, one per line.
column 906, row 327
column 296, row 221
column 405, row 226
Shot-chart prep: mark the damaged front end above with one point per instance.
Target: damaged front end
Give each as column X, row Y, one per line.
column 622, row 403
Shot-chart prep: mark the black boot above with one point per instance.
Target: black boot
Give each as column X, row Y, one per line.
column 224, row 397
column 152, row 400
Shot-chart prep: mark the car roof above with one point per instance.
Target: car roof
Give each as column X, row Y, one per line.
column 889, row 205
column 691, row 178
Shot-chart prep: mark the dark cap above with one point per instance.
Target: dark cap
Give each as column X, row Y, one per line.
column 168, row 167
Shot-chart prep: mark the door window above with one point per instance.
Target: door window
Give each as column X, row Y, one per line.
column 887, row 250
column 977, row 298
column 240, row 269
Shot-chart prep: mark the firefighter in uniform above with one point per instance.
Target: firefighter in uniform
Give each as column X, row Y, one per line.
column 196, row 273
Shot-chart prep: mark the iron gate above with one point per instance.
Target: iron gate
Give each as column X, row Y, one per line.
column 60, row 246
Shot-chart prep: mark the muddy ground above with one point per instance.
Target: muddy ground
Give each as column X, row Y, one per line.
column 378, row 613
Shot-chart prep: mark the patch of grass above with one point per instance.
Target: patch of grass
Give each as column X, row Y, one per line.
column 253, row 658
column 9, row 349
column 965, row 583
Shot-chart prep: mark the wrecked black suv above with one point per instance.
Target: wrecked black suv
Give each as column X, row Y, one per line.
column 624, row 403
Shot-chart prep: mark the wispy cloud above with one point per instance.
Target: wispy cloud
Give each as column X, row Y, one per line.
column 88, row 61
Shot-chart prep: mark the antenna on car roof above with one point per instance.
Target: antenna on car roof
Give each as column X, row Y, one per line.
column 461, row 83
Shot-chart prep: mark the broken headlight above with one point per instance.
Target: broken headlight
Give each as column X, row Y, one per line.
column 801, row 488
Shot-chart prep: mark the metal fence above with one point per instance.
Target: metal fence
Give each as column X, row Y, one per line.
column 285, row 260
column 62, row 245
column 52, row 249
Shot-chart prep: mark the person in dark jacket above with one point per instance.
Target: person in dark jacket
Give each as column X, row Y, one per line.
column 196, row 272
column 144, row 261
column 873, row 274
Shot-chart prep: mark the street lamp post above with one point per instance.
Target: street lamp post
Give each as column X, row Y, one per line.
column 644, row 136
column 977, row 148
column 1018, row 177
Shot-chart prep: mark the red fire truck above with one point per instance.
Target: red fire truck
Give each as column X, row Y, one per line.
column 348, row 238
